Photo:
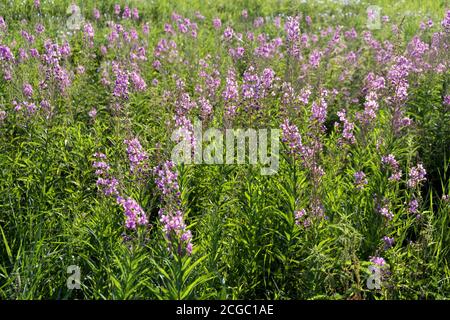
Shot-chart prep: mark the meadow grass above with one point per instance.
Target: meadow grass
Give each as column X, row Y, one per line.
column 247, row 241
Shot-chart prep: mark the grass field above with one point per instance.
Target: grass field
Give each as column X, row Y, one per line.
column 96, row 97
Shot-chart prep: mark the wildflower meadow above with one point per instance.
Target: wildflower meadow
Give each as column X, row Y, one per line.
column 224, row 149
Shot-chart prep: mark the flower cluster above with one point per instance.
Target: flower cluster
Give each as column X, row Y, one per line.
column 390, row 161
column 301, row 218
column 348, row 127
column 133, row 211
column 231, row 93
column 379, row 261
column 137, row 156
column 417, row 174
column 171, row 214
column 388, row 242
column 385, row 212
column 360, row 180
column 107, row 183
column 292, row 137
column 135, row 215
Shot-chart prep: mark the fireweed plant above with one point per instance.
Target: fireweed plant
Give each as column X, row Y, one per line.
column 91, row 93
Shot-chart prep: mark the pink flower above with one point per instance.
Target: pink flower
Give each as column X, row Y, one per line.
column 28, row 90
column 217, row 23
column 96, row 14
column 93, row 113
column 417, row 174
column 378, row 261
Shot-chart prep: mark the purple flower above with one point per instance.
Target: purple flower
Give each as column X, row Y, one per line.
column 34, row 53
column 117, row 9
column 105, row 181
column 231, row 92
column 45, row 105
column 96, row 14
column 101, row 167
column 388, row 242
column 417, row 174
column 126, row 13
column 206, row 108
column 64, row 50
column 3, row 25
column 292, row 28
column 133, row 211
column 413, row 206
column 228, row 33
column 6, row 54
column 299, row 215
column 360, row 179
column 121, row 83
column 277, row 22
column 378, row 261
column 27, row 90
column 390, row 161
column 171, row 215
column 398, row 77
column 93, row 113
column 62, row 77
column 146, row 28
column 189, row 248
column 89, row 33
column 308, row 20
column 23, row 55
column 258, row 22
column 166, row 178
column 370, row 108
column 314, row 58
column 237, row 53
column 135, row 14
column 103, row 50
column 374, row 83
column 371, row 14
column 99, row 155
column 292, row 137
column 175, row 230
column 319, row 111
column 138, row 83
column 385, row 212
column 446, row 22
column 39, row 28
column 347, row 131
column 136, row 155
column 156, row 64
column 31, row 107
column 217, row 23
column 27, row 36
column 108, row 186
column 447, row 100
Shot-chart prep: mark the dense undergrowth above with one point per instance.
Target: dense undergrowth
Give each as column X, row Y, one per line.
column 89, row 100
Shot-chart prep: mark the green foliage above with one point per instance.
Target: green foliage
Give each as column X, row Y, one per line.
column 247, row 243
